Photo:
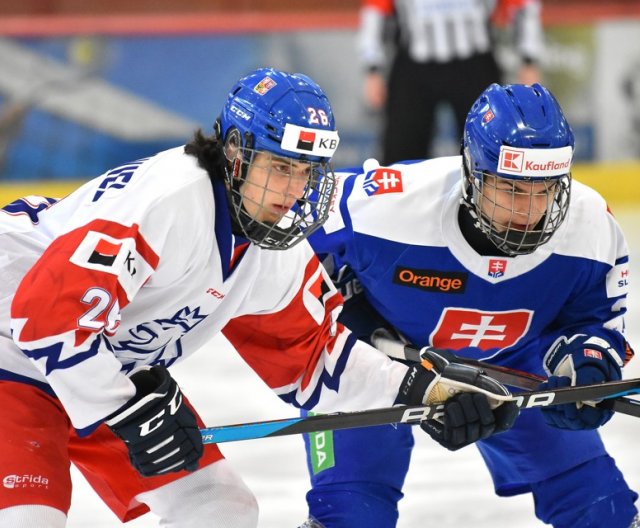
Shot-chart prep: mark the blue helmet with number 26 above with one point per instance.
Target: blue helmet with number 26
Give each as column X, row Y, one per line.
column 517, row 153
column 283, row 124
column 286, row 114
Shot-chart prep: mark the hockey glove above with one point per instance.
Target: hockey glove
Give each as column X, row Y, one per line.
column 473, row 409
column 159, row 429
column 579, row 360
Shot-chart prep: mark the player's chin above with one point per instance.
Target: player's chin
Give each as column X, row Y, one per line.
column 515, row 226
column 519, row 227
column 275, row 213
column 270, row 219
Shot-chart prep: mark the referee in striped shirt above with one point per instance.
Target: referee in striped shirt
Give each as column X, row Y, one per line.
column 443, row 52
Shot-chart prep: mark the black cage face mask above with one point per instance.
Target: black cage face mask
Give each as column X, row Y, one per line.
column 517, row 215
column 276, row 202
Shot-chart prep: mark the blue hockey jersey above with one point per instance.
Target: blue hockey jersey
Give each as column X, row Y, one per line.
column 397, row 228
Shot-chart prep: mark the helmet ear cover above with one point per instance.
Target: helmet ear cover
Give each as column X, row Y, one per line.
column 236, row 154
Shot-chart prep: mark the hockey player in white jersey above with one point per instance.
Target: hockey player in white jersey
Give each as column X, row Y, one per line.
column 106, row 288
column 512, row 263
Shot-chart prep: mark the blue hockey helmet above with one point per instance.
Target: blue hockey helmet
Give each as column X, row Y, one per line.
column 517, row 133
column 281, row 123
column 286, row 114
column 517, row 116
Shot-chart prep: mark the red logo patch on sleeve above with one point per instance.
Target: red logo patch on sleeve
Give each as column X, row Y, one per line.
column 588, row 352
column 105, row 253
column 383, row 181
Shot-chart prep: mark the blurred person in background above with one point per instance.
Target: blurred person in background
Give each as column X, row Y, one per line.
column 104, row 290
column 496, row 255
column 442, row 52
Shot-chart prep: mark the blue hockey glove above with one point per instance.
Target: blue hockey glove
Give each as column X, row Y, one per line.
column 473, row 402
column 579, row 360
column 159, row 429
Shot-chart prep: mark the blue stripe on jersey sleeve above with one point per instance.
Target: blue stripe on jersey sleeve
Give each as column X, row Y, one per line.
column 331, row 381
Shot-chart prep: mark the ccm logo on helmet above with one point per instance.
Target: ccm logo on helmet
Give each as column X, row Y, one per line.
column 535, row 162
column 241, row 112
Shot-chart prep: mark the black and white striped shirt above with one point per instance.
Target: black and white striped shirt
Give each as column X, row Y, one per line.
column 443, row 30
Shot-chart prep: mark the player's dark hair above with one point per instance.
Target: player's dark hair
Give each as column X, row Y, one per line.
column 208, row 151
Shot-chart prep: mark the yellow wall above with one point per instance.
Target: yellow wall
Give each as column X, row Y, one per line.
column 619, row 183
column 51, row 189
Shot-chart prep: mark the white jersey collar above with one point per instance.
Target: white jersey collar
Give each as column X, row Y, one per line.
column 478, row 264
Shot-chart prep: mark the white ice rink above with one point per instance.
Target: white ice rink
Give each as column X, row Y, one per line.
column 445, row 490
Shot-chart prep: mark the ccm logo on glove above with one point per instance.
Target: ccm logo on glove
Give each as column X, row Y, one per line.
column 159, row 430
column 156, row 422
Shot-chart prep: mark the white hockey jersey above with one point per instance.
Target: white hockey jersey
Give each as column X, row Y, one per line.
column 139, row 267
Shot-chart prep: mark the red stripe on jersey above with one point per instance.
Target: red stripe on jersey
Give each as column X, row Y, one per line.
column 238, row 251
column 316, row 287
column 283, row 346
column 52, row 295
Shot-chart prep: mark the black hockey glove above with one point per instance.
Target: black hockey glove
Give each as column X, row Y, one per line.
column 473, row 406
column 468, row 417
column 579, row 360
column 159, row 429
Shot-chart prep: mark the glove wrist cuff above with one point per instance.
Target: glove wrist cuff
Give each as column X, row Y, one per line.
column 417, row 383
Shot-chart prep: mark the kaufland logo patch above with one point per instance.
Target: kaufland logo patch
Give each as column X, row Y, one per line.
column 264, row 85
column 535, row 162
column 511, row 161
column 314, row 141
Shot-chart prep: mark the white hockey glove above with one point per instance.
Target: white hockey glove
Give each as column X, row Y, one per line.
column 474, row 406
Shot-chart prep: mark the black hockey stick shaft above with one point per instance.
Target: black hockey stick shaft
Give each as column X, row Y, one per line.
column 508, row 376
column 411, row 414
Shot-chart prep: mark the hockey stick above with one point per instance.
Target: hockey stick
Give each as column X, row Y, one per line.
column 508, row 376
column 409, row 414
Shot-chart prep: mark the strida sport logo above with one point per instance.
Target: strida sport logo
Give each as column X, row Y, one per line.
column 25, row 481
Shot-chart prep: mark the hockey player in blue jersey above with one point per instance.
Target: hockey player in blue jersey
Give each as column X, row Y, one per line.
column 512, row 263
